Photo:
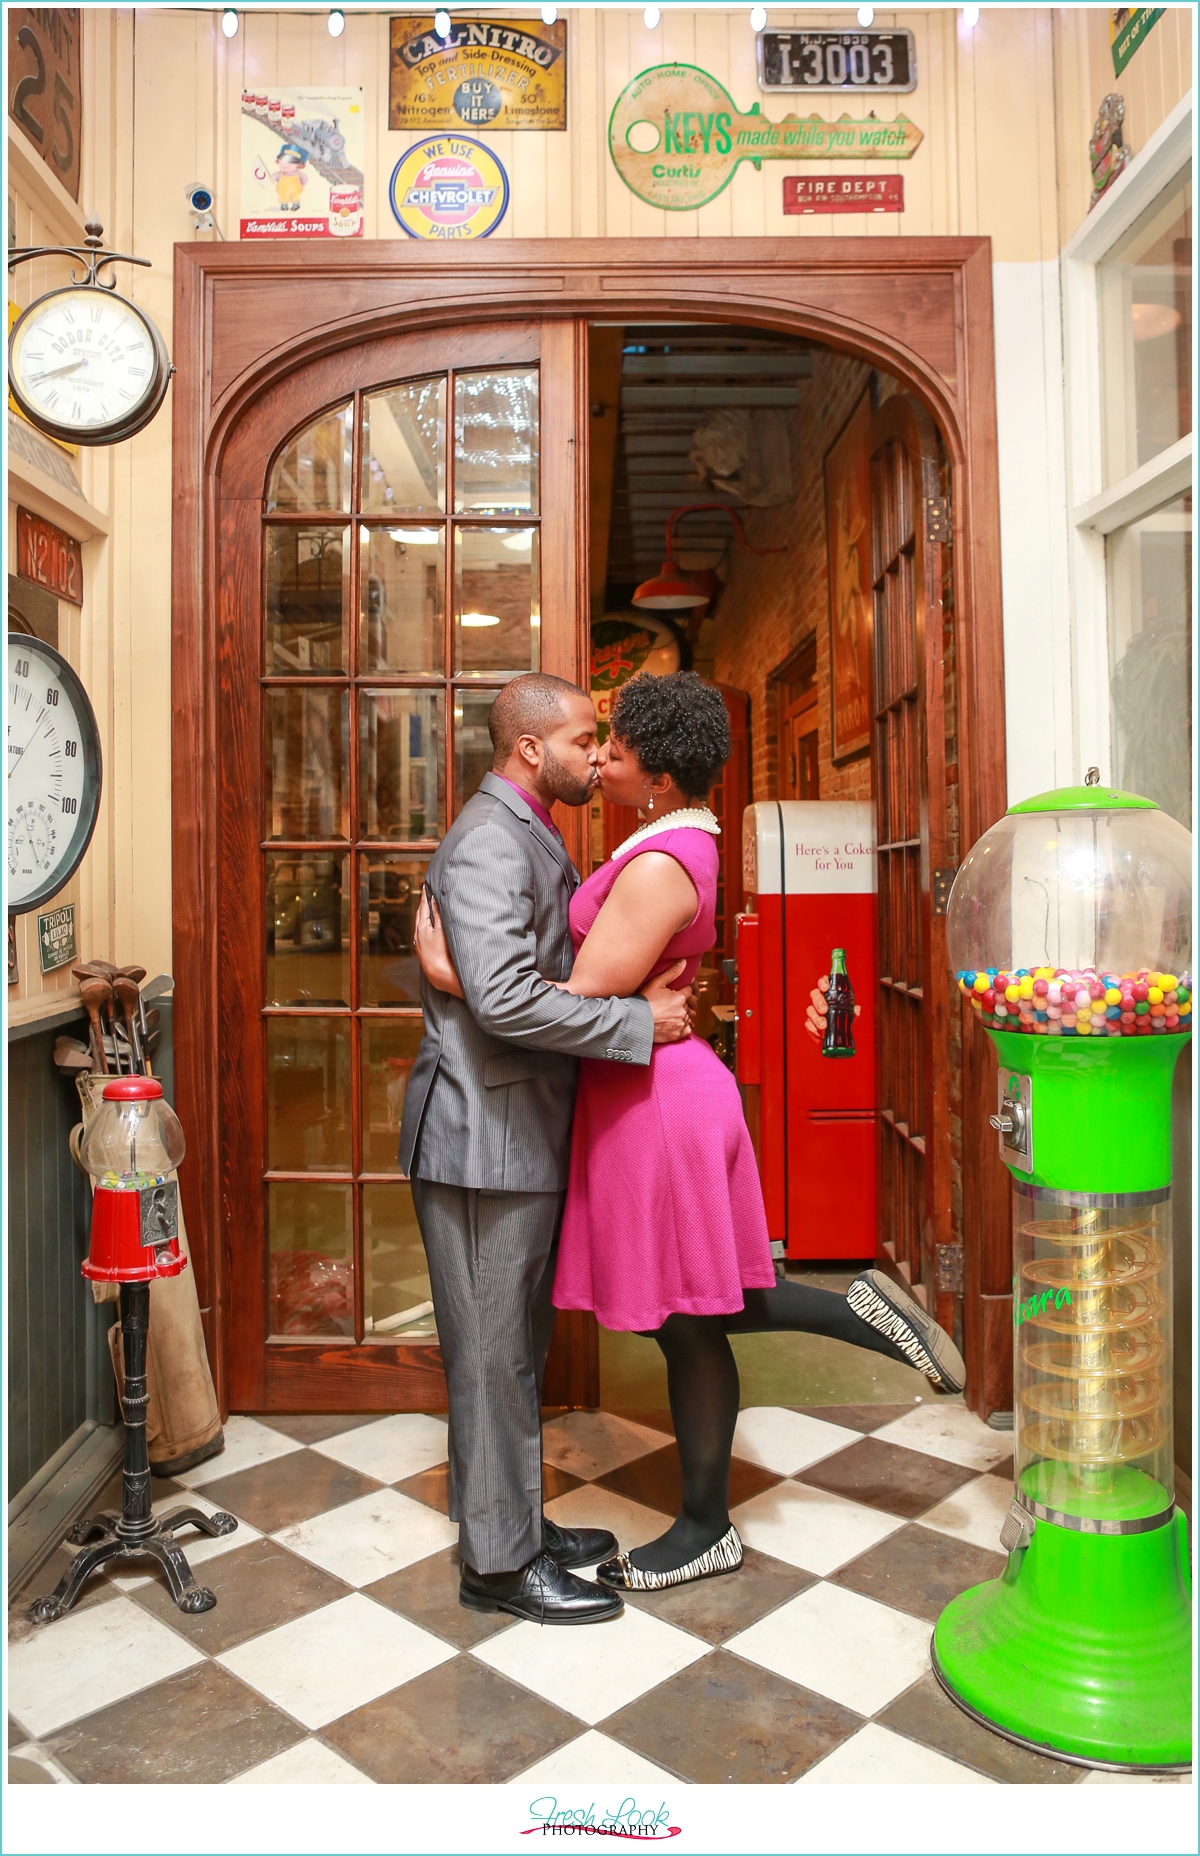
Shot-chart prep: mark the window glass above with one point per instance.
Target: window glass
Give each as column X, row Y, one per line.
column 308, row 1095
column 396, row 1297
column 402, row 770
column 389, row 895
column 310, row 1235
column 308, row 929
column 402, row 594
column 306, row 779
column 404, row 449
column 496, row 443
column 1150, row 619
column 497, row 605
column 308, row 582
column 313, row 471
column 1146, row 321
column 473, row 753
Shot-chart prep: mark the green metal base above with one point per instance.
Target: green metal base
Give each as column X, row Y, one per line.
column 1081, row 1649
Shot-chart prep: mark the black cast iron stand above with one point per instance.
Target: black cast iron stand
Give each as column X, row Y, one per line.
column 133, row 1534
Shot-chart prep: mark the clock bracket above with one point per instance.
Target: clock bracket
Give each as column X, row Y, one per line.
column 91, row 254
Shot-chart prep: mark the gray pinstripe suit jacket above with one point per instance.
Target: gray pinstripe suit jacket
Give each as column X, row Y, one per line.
column 492, row 1091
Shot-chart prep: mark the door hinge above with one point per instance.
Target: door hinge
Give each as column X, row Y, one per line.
column 937, row 518
column 940, row 886
column 950, row 1269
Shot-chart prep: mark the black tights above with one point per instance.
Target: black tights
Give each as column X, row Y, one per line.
column 702, row 1382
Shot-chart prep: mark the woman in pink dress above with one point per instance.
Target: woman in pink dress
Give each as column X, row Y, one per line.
column 664, row 1232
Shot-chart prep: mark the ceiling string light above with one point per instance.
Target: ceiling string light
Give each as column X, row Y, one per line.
column 758, row 18
column 229, row 22
column 970, row 17
column 337, row 23
column 441, row 23
column 549, row 15
column 651, row 16
column 866, row 15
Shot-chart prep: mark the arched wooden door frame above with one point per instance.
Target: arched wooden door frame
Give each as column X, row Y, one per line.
column 919, row 309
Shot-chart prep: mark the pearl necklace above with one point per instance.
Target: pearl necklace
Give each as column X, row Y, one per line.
column 684, row 818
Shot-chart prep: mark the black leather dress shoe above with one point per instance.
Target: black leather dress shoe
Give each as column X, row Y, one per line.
column 577, row 1546
column 542, row 1593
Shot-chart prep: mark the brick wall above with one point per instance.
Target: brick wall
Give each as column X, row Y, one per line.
column 772, row 604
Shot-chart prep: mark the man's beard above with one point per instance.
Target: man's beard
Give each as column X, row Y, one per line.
column 561, row 783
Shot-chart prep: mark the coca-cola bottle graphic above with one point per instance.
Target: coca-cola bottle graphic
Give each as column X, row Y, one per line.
column 839, row 1028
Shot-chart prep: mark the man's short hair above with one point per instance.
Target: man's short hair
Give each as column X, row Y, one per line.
column 531, row 705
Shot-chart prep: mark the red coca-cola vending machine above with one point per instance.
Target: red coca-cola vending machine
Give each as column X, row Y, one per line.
column 809, row 873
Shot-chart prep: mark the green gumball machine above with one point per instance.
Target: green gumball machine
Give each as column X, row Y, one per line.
column 1069, row 927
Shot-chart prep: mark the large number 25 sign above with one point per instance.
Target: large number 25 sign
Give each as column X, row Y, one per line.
column 44, row 85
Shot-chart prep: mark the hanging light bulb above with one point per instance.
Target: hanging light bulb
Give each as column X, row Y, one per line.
column 441, row 23
column 337, row 23
column 651, row 16
column 549, row 15
column 758, row 18
column 970, row 17
column 866, row 15
column 229, row 22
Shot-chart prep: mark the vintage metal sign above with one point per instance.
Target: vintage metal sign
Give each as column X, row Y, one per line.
column 45, row 86
column 302, row 162
column 1128, row 26
column 676, row 137
column 486, row 74
column 449, row 187
column 49, row 557
column 824, row 59
column 849, row 193
column 56, row 938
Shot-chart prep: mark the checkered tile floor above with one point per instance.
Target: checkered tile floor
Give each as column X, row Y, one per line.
column 337, row 1652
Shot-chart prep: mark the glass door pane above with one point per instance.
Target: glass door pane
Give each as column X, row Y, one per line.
column 374, row 735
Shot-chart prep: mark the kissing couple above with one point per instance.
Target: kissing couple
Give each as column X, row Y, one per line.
column 571, row 1145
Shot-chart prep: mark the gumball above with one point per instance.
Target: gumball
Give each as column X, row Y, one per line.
column 1112, row 1011
column 1112, row 995
column 1141, row 991
column 1026, row 987
column 1154, row 994
column 1172, row 1021
column 1183, row 995
column 1083, row 996
column 1012, row 994
column 1142, row 1007
column 1169, row 982
column 980, row 982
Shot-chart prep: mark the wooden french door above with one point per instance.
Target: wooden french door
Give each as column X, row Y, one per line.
column 396, row 540
column 909, row 520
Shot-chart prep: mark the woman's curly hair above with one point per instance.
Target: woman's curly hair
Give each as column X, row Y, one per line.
column 676, row 725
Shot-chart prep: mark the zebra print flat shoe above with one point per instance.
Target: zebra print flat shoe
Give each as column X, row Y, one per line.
column 876, row 1299
column 620, row 1573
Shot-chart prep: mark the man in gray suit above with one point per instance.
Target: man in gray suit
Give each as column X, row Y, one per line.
column 486, row 1137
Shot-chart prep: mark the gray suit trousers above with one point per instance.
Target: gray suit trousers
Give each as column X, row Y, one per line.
column 491, row 1266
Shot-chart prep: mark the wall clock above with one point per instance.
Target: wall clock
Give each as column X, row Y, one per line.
column 54, row 772
column 85, row 365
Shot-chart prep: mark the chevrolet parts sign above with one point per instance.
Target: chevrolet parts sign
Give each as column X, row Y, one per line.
column 486, row 74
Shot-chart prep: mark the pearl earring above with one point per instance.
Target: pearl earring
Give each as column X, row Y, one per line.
column 650, row 803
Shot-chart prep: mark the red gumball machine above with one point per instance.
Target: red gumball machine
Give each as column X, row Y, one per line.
column 809, row 876
column 132, row 1146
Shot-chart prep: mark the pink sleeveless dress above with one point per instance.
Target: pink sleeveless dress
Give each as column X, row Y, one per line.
column 664, row 1211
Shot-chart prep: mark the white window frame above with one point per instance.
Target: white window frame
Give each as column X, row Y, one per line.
column 1094, row 510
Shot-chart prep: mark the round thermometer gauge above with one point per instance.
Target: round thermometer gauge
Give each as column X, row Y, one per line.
column 53, row 772
column 87, row 366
